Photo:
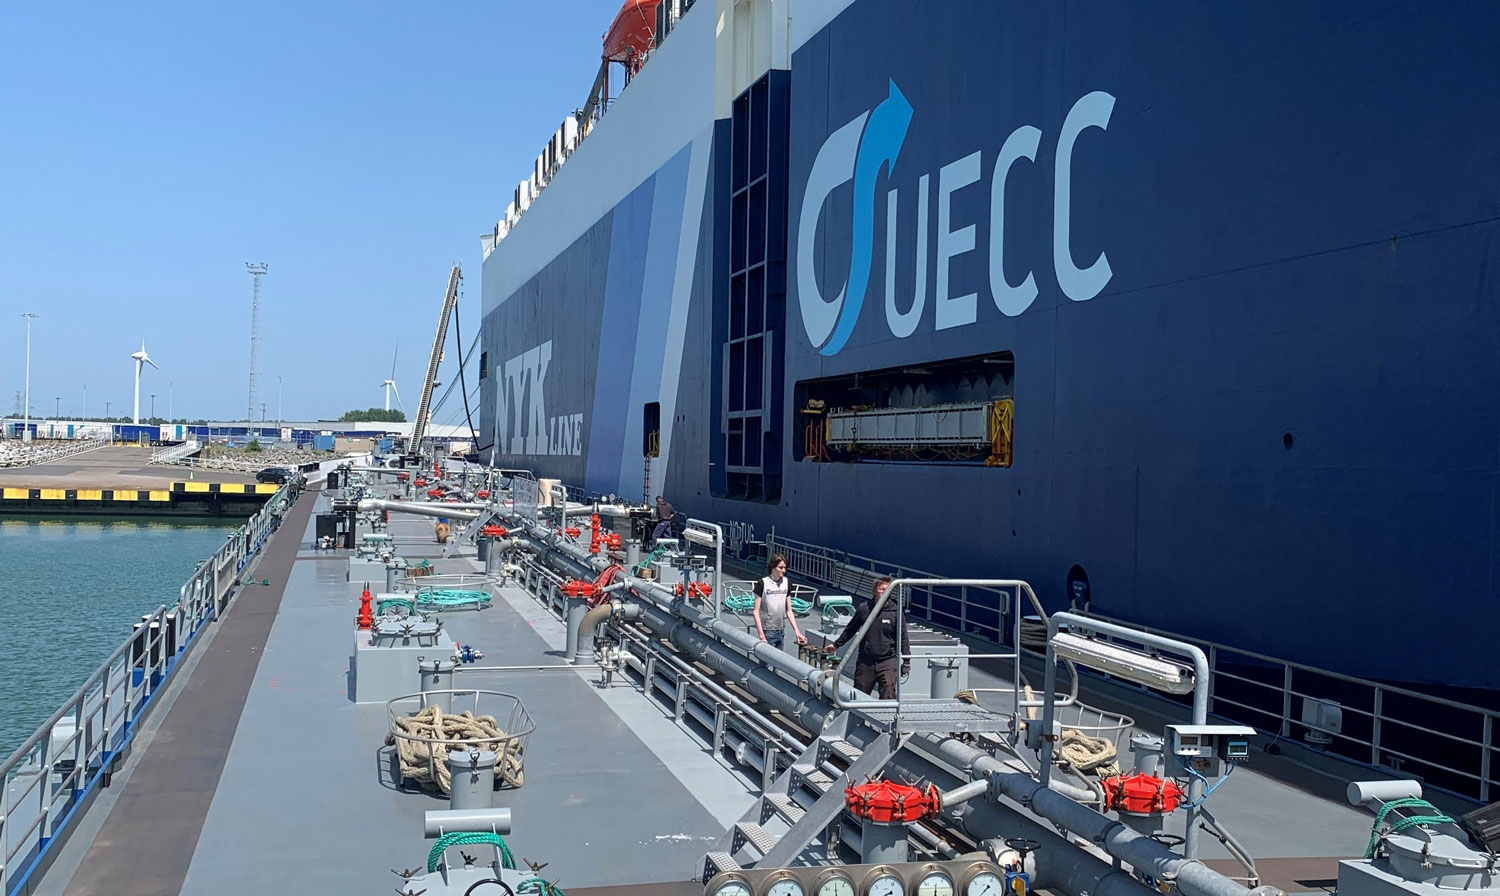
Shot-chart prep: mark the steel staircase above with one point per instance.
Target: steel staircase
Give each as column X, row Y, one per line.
column 804, row 800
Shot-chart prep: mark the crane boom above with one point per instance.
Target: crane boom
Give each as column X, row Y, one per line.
column 424, row 406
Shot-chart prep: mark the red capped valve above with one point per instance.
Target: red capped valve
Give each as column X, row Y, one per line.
column 1141, row 794
column 886, row 802
column 579, row 588
column 494, row 531
column 694, row 589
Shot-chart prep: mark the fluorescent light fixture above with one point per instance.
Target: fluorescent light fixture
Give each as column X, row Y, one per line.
column 1131, row 665
column 699, row 536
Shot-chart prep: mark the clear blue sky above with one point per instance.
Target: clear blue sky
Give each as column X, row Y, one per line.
column 147, row 151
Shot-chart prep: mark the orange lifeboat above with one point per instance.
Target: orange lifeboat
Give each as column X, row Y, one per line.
column 629, row 35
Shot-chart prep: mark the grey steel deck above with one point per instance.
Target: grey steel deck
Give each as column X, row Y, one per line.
column 264, row 776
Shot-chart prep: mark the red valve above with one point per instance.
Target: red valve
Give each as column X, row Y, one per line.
column 1141, row 794
column 886, row 802
column 572, row 532
column 613, row 541
column 402, row 477
column 579, row 588
column 366, row 615
column 434, row 493
column 421, row 482
column 694, row 589
column 494, row 532
column 482, row 494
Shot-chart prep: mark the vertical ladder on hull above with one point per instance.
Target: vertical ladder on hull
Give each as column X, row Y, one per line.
column 646, row 483
column 803, row 802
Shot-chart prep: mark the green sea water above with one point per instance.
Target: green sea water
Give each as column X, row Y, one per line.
column 70, row 591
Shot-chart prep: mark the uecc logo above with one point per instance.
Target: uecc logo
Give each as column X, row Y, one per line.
column 873, row 140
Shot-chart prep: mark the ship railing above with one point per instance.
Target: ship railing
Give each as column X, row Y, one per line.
column 54, row 775
column 980, row 611
column 1394, row 729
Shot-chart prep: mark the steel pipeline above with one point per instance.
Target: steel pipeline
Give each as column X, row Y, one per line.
column 703, row 636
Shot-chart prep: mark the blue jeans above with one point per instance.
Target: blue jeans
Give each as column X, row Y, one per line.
column 775, row 637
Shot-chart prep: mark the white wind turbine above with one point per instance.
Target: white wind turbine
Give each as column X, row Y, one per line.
column 140, row 358
column 390, row 382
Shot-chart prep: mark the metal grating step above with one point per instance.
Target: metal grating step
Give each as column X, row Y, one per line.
column 753, row 834
column 925, row 716
column 782, row 804
column 718, row 863
column 815, row 778
column 842, row 748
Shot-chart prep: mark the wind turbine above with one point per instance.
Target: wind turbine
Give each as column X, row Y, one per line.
column 390, row 383
column 140, row 359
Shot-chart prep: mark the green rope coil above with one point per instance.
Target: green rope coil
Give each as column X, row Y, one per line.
column 452, row 598
column 463, row 838
column 539, row 886
column 1411, row 821
column 386, row 602
column 744, row 603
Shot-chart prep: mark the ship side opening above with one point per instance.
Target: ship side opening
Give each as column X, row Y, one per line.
column 950, row 411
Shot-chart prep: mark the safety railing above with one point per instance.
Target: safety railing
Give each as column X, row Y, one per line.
column 1382, row 725
column 1451, row 744
column 49, row 780
column 967, row 609
column 175, row 453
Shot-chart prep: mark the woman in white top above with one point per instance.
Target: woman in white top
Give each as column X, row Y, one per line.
column 773, row 605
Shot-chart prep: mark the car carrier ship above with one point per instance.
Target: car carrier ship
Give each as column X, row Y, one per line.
column 1149, row 349
column 1186, row 314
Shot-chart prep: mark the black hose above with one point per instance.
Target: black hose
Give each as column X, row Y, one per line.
column 463, row 387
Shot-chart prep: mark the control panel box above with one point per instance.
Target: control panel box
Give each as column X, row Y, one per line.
column 1203, row 748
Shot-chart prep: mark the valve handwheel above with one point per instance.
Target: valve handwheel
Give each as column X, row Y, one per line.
column 1170, row 841
column 1023, row 846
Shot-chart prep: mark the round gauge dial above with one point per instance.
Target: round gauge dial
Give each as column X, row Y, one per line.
column 886, row 884
column 733, row 888
column 787, row 886
column 837, row 885
column 985, row 883
column 935, row 883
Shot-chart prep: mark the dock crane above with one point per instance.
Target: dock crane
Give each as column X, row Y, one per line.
column 424, row 407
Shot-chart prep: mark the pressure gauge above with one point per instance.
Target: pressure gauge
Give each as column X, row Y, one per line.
column 985, row 883
column 886, row 883
column 786, row 886
column 935, row 883
column 734, row 887
column 836, row 885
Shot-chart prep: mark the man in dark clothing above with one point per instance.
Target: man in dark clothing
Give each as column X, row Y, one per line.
column 664, row 513
column 879, row 659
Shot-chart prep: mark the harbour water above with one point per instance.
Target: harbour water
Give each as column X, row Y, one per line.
column 69, row 592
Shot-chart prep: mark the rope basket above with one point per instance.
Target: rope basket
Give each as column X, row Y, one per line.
column 1090, row 740
column 457, row 581
column 425, row 728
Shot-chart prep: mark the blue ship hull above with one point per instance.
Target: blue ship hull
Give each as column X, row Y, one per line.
column 1234, row 267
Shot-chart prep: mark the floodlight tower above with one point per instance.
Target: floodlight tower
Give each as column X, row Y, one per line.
column 257, row 270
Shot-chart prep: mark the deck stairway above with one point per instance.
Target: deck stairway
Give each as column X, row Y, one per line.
column 804, row 800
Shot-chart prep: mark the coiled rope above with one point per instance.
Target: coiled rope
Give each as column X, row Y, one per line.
column 1088, row 754
column 452, row 599
column 464, row 838
column 386, row 603
column 737, row 602
column 1411, row 821
column 424, row 740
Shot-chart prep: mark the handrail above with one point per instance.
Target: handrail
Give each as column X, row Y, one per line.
column 1017, row 585
column 1477, row 778
column 106, row 710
